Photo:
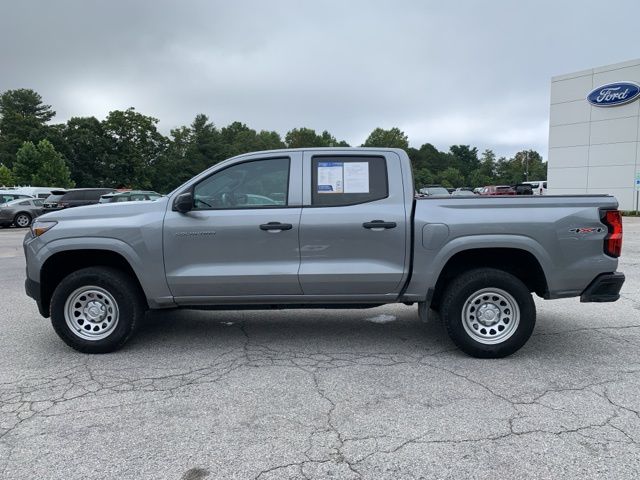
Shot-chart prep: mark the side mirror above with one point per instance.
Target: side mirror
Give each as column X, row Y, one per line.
column 183, row 202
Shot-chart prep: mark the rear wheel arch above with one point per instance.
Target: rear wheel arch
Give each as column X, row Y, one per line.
column 63, row 263
column 518, row 262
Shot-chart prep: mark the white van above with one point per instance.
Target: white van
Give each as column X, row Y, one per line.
column 35, row 192
column 539, row 187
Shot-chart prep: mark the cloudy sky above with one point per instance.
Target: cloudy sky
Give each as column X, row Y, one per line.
column 446, row 72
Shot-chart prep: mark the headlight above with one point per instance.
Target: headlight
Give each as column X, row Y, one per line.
column 38, row 227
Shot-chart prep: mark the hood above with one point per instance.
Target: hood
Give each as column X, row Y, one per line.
column 106, row 210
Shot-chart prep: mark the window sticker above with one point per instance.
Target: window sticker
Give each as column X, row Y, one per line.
column 356, row 177
column 330, row 177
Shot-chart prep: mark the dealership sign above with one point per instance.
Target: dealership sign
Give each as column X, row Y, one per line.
column 613, row 94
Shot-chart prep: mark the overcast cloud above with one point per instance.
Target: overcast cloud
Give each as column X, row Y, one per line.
column 446, row 72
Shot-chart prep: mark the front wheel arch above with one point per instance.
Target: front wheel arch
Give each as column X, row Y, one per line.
column 61, row 264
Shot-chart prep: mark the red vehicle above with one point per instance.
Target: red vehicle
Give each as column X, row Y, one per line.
column 498, row 190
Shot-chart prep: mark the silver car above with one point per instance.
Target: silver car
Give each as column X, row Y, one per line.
column 20, row 212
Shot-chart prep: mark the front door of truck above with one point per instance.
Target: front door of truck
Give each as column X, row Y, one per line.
column 354, row 225
column 241, row 237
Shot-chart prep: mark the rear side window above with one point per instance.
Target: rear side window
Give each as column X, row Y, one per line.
column 78, row 195
column 348, row 180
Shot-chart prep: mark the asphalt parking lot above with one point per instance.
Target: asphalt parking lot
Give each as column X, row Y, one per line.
column 321, row 394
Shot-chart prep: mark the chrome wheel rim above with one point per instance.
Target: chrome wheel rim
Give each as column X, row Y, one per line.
column 22, row 221
column 91, row 313
column 490, row 316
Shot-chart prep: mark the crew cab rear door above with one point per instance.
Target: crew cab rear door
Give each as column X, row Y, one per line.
column 240, row 240
column 354, row 224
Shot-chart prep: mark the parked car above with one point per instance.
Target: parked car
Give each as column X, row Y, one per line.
column 20, row 212
column 463, row 193
column 432, row 190
column 8, row 195
column 523, row 189
column 496, row 190
column 76, row 197
column 539, row 187
column 351, row 233
column 131, row 196
column 51, row 202
column 35, row 192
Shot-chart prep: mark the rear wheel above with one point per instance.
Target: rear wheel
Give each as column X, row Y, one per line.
column 488, row 313
column 22, row 220
column 96, row 309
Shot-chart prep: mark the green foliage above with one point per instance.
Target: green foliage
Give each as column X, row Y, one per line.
column 41, row 165
column 23, row 117
column 308, row 138
column 87, row 146
column 6, row 176
column 135, row 146
column 525, row 165
column 392, row 138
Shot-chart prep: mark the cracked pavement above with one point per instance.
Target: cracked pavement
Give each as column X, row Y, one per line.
column 317, row 394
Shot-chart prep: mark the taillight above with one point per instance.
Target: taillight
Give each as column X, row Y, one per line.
column 613, row 240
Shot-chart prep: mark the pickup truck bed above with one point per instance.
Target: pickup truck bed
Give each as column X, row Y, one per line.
column 322, row 228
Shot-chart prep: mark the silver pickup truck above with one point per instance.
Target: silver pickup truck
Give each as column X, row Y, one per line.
column 322, row 228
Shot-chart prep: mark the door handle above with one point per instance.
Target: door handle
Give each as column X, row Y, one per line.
column 375, row 224
column 271, row 226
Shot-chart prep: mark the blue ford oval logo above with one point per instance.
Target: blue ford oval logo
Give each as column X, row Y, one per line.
column 613, row 94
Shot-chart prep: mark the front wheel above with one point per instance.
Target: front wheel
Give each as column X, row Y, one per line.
column 96, row 309
column 22, row 220
column 488, row 313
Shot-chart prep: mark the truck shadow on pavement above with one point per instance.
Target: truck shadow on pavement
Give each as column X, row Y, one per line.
column 382, row 330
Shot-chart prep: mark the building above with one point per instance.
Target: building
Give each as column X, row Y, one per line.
column 594, row 132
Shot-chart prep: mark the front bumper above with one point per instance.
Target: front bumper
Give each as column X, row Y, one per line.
column 33, row 290
column 604, row 288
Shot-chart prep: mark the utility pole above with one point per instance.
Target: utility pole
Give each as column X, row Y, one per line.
column 526, row 167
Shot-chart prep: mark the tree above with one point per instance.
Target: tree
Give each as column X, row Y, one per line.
column 135, row 146
column 392, row 138
column 6, row 176
column 526, row 164
column 464, row 158
column 87, row 151
column 307, row 137
column 41, row 165
column 23, row 117
column 452, row 178
column 485, row 173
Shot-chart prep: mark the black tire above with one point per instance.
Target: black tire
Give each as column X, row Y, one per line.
column 470, row 287
column 124, row 292
column 22, row 220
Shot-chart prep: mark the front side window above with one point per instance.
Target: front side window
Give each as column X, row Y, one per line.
column 348, row 180
column 253, row 184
